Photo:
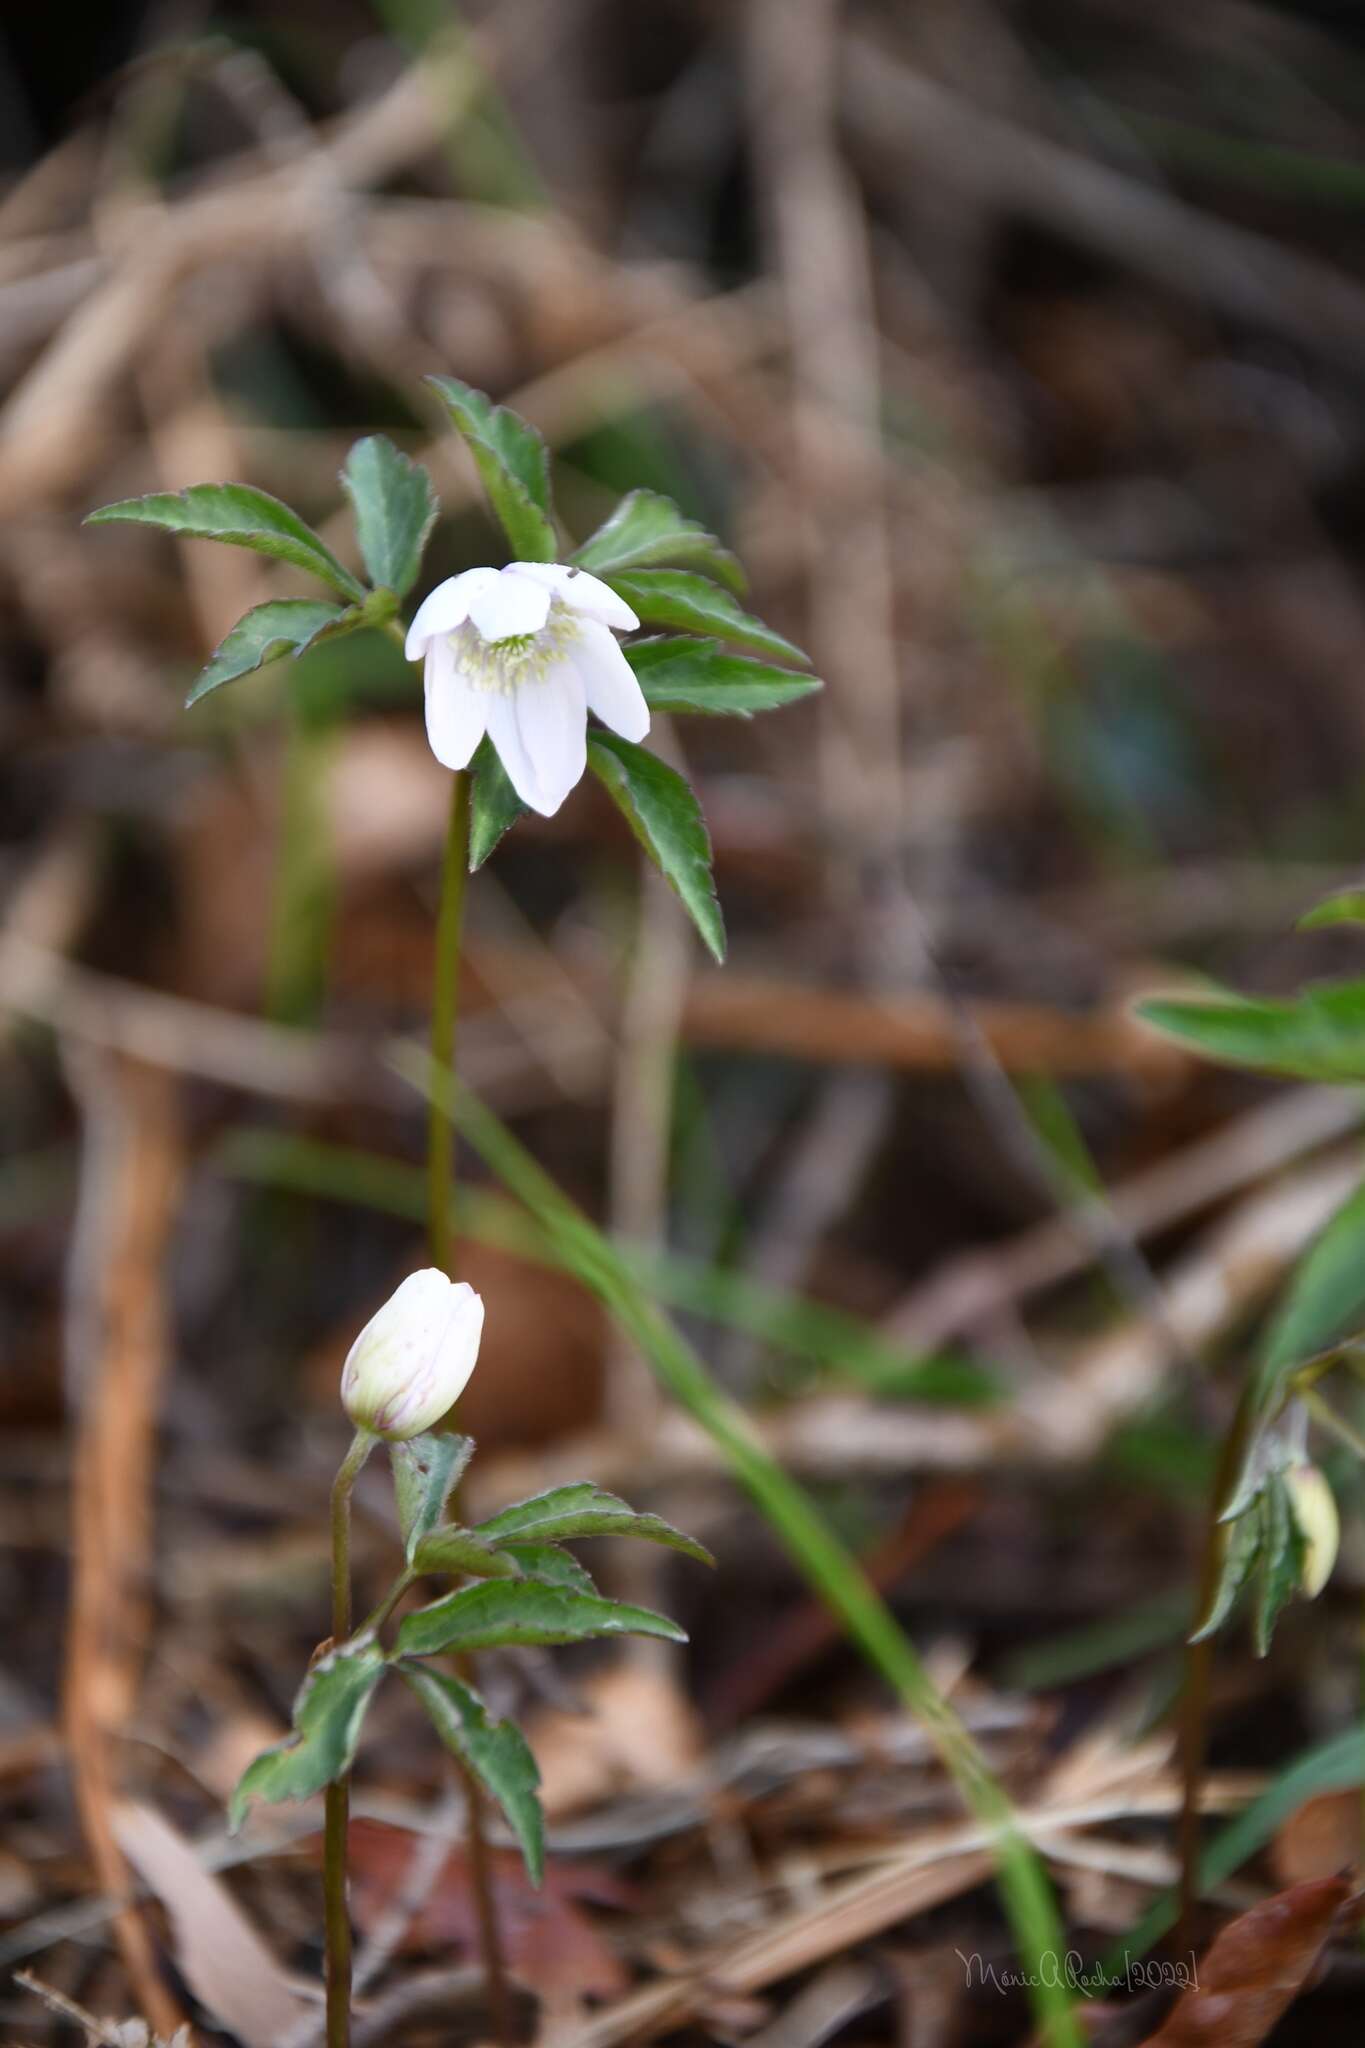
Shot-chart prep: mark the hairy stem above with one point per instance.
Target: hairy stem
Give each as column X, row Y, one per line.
column 338, row 1801
column 440, row 1194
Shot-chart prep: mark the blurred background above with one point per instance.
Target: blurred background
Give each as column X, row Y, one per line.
column 1016, row 348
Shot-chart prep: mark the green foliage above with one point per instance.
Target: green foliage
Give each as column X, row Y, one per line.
column 495, row 805
column 242, row 516
column 328, row 1716
column 1264, row 1550
column 550, row 1565
column 583, row 1509
column 453, row 1549
column 395, row 510
column 677, row 598
column 286, row 625
column 426, row 1471
column 686, row 674
column 1318, row 1035
column 512, row 464
column 647, row 531
column 495, row 1751
column 1344, row 906
column 501, row 1613
column 666, row 818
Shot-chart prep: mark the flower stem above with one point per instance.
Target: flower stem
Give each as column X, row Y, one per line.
column 440, row 1192
column 338, row 1800
column 444, row 1009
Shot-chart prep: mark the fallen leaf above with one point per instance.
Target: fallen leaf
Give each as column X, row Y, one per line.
column 638, row 1731
column 1321, row 1839
column 1255, row 1969
column 220, row 1955
column 553, row 1947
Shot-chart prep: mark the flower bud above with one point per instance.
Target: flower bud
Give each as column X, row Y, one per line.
column 1315, row 1511
column 413, row 1358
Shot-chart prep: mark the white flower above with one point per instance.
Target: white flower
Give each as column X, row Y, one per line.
column 413, row 1358
column 524, row 654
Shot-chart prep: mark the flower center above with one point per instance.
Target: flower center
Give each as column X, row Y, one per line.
column 503, row 666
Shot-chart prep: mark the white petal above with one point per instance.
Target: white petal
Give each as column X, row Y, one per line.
column 582, row 593
column 457, row 717
column 508, row 605
column 610, row 682
column 445, row 608
column 540, row 732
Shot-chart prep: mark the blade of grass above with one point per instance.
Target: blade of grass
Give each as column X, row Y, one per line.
column 1024, row 1886
column 823, row 1337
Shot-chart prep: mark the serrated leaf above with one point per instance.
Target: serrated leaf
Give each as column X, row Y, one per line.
column 494, row 807
column 1343, row 906
column 583, row 1509
column 495, row 1751
column 666, row 818
column 1317, row 1036
column 241, row 516
column 461, row 1550
column 1323, row 1304
column 395, row 509
column 675, row 597
column 426, row 1471
column 647, row 530
column 550, row 1565
column 681, row 673
column 1241, row 1547
column 328, row 1715
column 1280, row 1565
column 286, row 625
column 512, row 464
column 506, row 1612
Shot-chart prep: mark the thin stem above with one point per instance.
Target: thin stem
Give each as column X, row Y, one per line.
column 1336, row 1425
column 440, row 1196
column 444, row 1010
column 337, row 1807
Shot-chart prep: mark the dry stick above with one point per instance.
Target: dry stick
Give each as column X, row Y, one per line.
column 440, row 1189
column 116, row 1354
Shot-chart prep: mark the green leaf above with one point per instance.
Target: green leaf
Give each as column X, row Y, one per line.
column 242, row 516
column 395, row 510
column 1318, row 1036
column 686, row 674
column 673, row 597
column 516, row 1611
column 1344, row 906
column 646, row 530
column 286, row 625
column 583, row 1509
column 495, row 805
column 510, row 457
column 454, row 1549
column 328, row 1715
column 495, row 1751
column 666, row 818
column 550, row 1565
column 1241, row 1548
column 426, row 1471
column 1281, row 1564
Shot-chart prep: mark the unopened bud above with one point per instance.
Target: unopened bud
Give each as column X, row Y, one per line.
column 1315, row 1511
column 414, row 1357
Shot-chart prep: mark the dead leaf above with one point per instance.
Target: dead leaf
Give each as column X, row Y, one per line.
column 553, row 1947
column 1255, row 1969
column 1321, row 1839
column 638, row 1730
column 221, row 1957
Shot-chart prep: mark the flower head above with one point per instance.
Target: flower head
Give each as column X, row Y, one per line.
column 413, row 1358
column 524, row 654
column 1315, row 1511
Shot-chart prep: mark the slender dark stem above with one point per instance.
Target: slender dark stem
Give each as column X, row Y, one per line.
column 337, row 1808
column 440, row 1191
column 444, row 1009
